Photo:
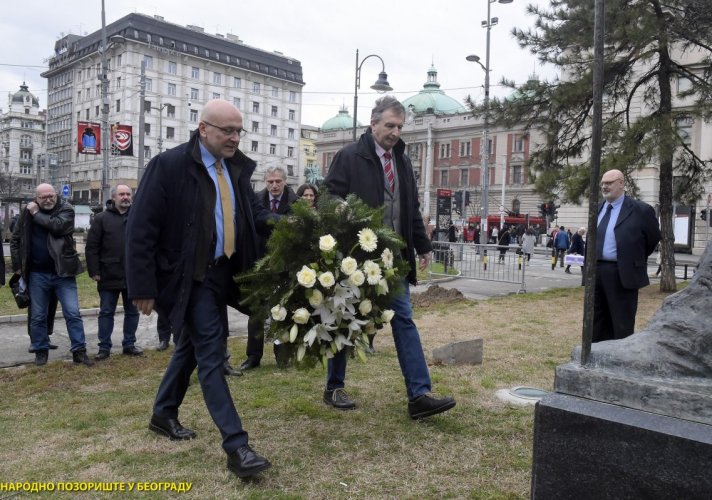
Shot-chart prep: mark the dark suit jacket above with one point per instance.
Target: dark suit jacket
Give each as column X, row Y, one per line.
column 288, row 197
column 637, row 234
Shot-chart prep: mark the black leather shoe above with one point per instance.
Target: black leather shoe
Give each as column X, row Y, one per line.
column 80, row 358
column 339, row 399
column 133, row 351
column 244, row 462
column 229, row 371
column 171, row 428
column 102, row 354
column 250, row 363
column 49, row 346
column 427, row 405
column 41, row 357
column 162, row 345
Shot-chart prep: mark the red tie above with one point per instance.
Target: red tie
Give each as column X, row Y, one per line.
column 275, row 201
column 388, row 169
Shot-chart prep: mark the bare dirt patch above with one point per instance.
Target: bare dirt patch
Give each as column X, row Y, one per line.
column 435, row 295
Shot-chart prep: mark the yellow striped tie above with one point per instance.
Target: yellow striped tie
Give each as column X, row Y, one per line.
column 227, row 209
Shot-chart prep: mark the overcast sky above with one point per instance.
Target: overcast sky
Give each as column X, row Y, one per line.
column 322, row 34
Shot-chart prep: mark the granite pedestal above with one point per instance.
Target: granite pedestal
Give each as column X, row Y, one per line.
column 589, row 449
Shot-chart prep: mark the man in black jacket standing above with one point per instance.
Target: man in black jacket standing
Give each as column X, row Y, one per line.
column 105, row 251
column 192, row 227
column 44, row 254
column 377, row 171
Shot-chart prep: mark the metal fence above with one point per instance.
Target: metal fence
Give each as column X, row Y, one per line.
column 479, row 262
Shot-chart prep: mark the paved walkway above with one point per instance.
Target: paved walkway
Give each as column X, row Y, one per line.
column 539, row 277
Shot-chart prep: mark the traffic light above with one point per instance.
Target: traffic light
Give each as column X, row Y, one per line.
column 554, row 209
column 458, row 200
column 544, row 209
column 467, row 198
column 703, row 214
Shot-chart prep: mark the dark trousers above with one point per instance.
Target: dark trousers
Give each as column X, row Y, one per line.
column 614, row 307
column 202, row 344
column 164, row 328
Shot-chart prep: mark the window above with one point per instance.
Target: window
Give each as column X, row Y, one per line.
column 465, row 148
column 147, row 107
column 273, row 149
column 291, row 114
column 147, row 128
column 79, row 95
column 464, row 177
column 255, row 107
column 96, row 110
column 292, row 96
column 118, row 82
column 516, row 174
column 255, row 146
column 216, row 95
column 256, row 87
column 237, row 82
column 194, row 94
column 86, row 113
column 194, row 116
column 170, row 111
column 275, row 92
column 118, row 105
column 172, row 67
column 217, row 78
column 195, row 72
column 236, row 101
column 290, row 152
column 149, row 84
column 171, row 90
column 149, row 61
column 147, row 152
column 274, row 111
column 445, row 150
column 414, row 151
column 290, row 133
column 148, row 37
column 273, row 130
column 255, row 127
column 518, row 144
column 683, row 85
column 118, row 60
column 290, row 170
column 170, row 132
column 684, row 129
column 443, row 177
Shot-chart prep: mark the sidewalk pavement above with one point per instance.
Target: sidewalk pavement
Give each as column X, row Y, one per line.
column 539, row 277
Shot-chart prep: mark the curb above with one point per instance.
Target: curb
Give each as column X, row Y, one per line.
column 22, row 318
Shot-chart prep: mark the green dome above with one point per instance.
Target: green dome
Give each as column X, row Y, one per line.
column 432, row 100
column 24, row 96
column 339, row 122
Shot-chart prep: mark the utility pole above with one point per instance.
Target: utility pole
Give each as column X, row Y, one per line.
column 141, row 121
column 104, row 78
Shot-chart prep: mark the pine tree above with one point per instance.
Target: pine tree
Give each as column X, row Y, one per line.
column 650, row 47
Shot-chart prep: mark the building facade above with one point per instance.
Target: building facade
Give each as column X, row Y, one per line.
column 158, row 77
column 22, row 147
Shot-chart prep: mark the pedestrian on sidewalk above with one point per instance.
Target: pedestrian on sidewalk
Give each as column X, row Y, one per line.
column 528, row 242
column 105, row 251
column 577, row 247
column 561, row 244
column 44, row 254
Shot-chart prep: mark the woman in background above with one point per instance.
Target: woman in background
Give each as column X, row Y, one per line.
column 308, row 192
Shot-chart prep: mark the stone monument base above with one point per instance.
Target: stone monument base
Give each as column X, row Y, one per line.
column 588, row 449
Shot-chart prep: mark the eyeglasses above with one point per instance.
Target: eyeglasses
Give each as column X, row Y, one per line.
column 610, row 183
column 47, row 197
column 228, row 131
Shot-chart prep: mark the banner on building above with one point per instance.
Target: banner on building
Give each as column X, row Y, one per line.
column 89, row 138
column 122, row 140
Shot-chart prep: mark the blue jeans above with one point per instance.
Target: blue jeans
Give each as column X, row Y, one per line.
column 107, row 307
column 41, row 287
column 410, row 351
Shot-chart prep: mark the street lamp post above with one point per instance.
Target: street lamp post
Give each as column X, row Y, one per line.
column 381, row 84
column 485, row 149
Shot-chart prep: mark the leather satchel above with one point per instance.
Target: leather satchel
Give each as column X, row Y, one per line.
column 21, row 294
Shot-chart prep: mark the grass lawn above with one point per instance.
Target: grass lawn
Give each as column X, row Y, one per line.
column 67, row 423
column 88, row 296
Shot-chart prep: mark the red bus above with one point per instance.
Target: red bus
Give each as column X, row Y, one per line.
column 517, row 222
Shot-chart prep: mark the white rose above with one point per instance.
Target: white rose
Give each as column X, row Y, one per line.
column 316, row 298
column 327, row 279
column 278, row 313
column 365, row 307
column 306, row 277
column 367, row 240
column 372, row 271
column 301, row 316
column 357, row 278
column 348, row 266
column 387, row 257
column 327, row 243
column 387, row 315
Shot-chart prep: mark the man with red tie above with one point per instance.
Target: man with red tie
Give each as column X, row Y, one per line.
column 378, row 171
column 277, row 196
